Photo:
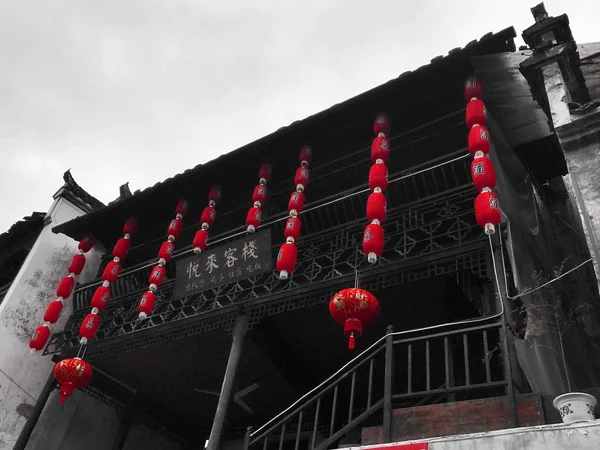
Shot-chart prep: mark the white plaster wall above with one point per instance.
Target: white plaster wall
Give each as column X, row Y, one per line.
column 22, row 375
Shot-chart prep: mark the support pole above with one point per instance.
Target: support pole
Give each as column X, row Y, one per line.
column 227, row 389
column 388, row 385
column 126, row 424
column 32, row 421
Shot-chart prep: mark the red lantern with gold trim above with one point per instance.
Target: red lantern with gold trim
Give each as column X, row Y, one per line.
column 354, row 309
column 72, row 373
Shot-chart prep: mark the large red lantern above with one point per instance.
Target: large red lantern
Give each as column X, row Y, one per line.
column 382, row 124
column 100, row 298
column 354, row 309
column 146, row 305
column 130, row 228
column 157, row 277
column 40, row 338
column 111, row 272
column 378, row 176
column 487, row 211
column 301, row 178
column 121, row 248
column 200, row 240
column 72, row 373
column 475, row 113
column 89, row 326
column 478, row 140
column 286, row 260
column 53, row 311
column 380, row 149
column 174, row 228
column 208, row 217
column 86, row 243
column 65, row 287
column 293, row 227
column 483, row 173
column 373, row 242
column 253, row 219
column 77, row 264
column 165, row 253
column 473, row 88
column 259, row 196
column 296, row 203
column 377, row 207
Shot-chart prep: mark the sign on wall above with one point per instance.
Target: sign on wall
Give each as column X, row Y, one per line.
column 224, row 264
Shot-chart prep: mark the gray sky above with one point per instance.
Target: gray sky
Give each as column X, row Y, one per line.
column 138, row 90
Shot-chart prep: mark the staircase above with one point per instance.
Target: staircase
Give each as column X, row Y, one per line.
column 401, row 370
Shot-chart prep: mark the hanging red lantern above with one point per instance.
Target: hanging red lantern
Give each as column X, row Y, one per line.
column 100, row 298
column 377, row 207
column 296, row 203
column 65, row 287
column 166, row 251
column 476, row 113
column 487, row 211
column 72, row 373
column 146, row 305
column 174, row 228
column 378, row 176
column 214, row 196
column 157, row 277
column 200, row 239
column 473, row 88
column 208, row 217
column 354, row 309
column 478, row 140
column 286, row 260
column 53, row 311
column 40, row 338
column 382, row 124
column 253, row 219
column 121, row 248
column 483, row 173
column 301, row 178
column 131, row 227
column 305, row 157
column 182, row 208
column 86, row 243
column 380, row 149
column 373, row 242
column 77, row 264
column 259, row 196
column 293, row 226
column 264, row 173
column 111, row 272
column 89, row 326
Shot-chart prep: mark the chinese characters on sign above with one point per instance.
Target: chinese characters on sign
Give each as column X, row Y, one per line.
column 225, row 264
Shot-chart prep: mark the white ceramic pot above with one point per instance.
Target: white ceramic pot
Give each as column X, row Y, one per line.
column 575, row 406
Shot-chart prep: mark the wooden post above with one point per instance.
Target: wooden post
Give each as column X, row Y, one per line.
column 388, row 385
column 126, row 423
column 247, row 438
column 32, row 421
column 227, row 389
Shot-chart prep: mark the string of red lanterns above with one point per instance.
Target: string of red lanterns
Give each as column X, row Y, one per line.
column 354, row 308
column 259, row 197
column 206, row 220
column 157, row 275
column 111, row 272
column 288, row 253
column 373, row 236
column 483, row 174
column 63, row 292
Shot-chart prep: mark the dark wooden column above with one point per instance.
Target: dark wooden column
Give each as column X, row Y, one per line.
column 227, row 389
column 126, row 424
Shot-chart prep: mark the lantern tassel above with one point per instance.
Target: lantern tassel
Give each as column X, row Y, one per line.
column 351, row 341
column 62, row 399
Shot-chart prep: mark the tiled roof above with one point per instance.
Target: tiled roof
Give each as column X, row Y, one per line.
column 79, row 196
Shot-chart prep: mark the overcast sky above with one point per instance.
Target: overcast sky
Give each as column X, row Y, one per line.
column 139, row 90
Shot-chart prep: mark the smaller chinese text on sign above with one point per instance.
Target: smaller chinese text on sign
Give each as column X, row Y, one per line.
column 224, row 264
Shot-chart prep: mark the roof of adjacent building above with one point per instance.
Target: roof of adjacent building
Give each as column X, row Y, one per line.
column 75, row 194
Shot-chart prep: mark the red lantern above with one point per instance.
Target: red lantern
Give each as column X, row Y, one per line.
column 286, row 260
column 373, row 242
column 86, row 243
column 476, row 113
column 174, row 228
column 253, row 219
column 121, row 248
column 111, row 272
column 100, row 298
column 200, row 239
column 214, row 195
column 166, row 251
column 157, row 276
column 72, row 373
column 377, row 207
column 264, row 173
column 53, row 311
column 354, row 308
column 380, row 149
column 77, row 264
column 378, row 177
column 478, row 140
column 487, row 211
column 40, row 338
column 88, row 327
column 131, row 227
column 483, row 173
column 65, row 287
column 146, row 305
column 182, row 207
column 305, row 157
column 382, row 124
column 296, row 202
column 473, row 88
column 208, row 216
column 301, row 178
column 293, row 226
column 259, row 196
